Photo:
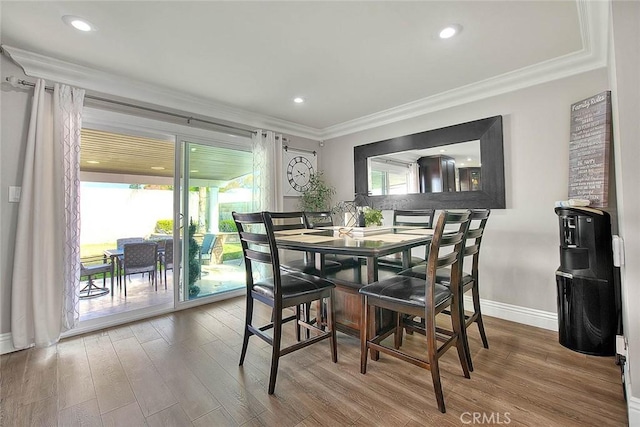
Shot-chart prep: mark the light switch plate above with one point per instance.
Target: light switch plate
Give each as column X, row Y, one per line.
column 14, row 194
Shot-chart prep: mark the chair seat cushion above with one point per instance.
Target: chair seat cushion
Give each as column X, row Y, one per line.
column 396, row 261
column 405, row 289
column 86, row 270
column 294, row 284
column 443, row 275
column 309, row 267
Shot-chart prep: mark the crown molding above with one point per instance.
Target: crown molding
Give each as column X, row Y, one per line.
column 44, row 67
column 594, row 29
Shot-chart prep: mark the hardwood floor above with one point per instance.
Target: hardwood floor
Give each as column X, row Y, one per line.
column 182, row 369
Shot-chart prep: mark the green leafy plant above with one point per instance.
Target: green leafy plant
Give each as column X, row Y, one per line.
column 164, row 226
column 194, row 263
column 227, row 225
column 317, row 196
column 372, row 217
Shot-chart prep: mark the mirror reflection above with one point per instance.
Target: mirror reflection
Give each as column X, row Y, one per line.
column 448, row 168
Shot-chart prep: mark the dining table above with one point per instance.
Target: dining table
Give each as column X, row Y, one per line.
column 367, row 245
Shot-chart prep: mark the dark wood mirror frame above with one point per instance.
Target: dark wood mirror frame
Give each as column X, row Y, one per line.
column 488, row 131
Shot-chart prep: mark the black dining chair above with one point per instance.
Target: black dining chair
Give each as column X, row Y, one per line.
column 324, row 219
column 279, row 290
column 286, row 221
column 406, row 295
column 422, row 218
column 469, row 280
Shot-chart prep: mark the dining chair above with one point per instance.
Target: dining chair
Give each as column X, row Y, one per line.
column 120, row 245
column 279, row 290
column 421, row 298
column 140, row 258
column 469, row 280
column 324, row 219
column 408, row 218
column 285, row 221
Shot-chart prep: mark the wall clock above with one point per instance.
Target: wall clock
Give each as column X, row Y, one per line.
column 298, row 167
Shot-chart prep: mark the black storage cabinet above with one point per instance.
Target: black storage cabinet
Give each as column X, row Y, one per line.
column 587, row 294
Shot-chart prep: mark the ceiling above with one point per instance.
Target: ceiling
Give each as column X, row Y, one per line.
column 112, row 153
column 350, row 61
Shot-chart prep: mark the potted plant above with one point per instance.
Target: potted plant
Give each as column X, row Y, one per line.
column 372, row 217
column 317, row 196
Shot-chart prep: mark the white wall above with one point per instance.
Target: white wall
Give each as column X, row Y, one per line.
column 15, row 108
column 520, row 248
column 625, row 72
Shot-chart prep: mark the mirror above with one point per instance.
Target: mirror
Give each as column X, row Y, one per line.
column 432, row 169
column 455, row 167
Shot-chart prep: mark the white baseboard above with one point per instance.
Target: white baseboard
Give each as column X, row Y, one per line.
column 633, row 403
column 515, row 313
column 6, row 343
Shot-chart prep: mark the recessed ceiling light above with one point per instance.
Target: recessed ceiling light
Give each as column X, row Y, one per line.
column 157, row 168
column 193, row 148
column 468, row 159
column 194, row 170
column 78, row 23
column 461, row 164
column 93, row 162
column 443, row 150
column 450, row 31
column 298, row 100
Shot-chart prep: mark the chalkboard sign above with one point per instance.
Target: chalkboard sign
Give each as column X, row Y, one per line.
column 589, row 149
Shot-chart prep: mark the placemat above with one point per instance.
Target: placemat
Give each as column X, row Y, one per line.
column 297, row 231
column 307, row 238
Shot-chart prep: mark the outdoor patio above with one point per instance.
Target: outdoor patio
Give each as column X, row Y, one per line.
column 216, row 278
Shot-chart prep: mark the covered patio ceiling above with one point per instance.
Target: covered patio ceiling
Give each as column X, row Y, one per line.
column 113, row 153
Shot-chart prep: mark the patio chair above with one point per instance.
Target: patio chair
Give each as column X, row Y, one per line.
column 140, row 258
column 91, row 290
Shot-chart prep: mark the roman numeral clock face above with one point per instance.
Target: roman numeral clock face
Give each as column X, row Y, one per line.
column 299, row 173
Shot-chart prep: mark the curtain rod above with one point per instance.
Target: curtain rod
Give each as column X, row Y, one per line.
column 15, row 82
column 286, row 148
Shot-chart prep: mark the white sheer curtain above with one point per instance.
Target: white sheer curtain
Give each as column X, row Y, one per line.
column 267, row 171
column 44, row 295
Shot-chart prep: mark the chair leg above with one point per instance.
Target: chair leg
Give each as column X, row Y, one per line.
column 298, row 318
column 459, row 328
column 364, row 334
column 397, row 335
column 331, row 315
column 437, row 385
column 247, row 333
column 476, row 308
column 275, row 351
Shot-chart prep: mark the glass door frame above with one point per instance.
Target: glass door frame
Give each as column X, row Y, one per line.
column 114, row 121
column 181, row 213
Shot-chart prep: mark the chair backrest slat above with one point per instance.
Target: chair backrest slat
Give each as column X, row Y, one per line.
column 318, row 219
column 287, row 220
column 416, row 218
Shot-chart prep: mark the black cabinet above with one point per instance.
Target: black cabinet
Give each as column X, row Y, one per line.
column 437, row 174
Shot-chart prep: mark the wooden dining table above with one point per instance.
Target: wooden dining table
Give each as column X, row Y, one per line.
column 365, row 245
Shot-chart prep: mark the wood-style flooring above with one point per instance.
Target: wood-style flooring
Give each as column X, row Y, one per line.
column 182, row 369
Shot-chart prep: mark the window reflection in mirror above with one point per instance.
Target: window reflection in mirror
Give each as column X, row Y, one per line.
column 454, row 167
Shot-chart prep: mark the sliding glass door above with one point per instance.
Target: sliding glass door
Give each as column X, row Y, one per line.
column 215, row 180
column 142, row 181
